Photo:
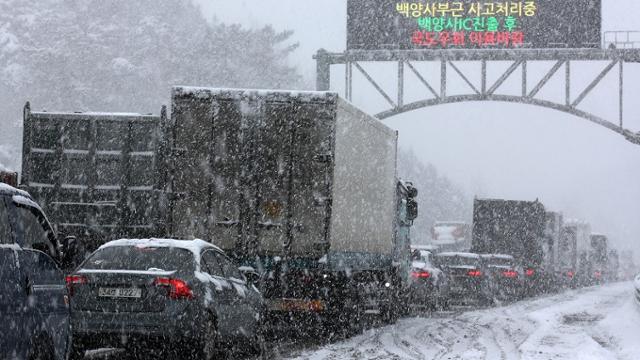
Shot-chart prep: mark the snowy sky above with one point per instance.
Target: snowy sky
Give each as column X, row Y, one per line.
column 492, row 149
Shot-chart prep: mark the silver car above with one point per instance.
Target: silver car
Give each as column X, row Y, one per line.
column 184, row 297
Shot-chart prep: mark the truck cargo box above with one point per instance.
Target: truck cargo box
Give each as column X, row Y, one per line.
column 283, row 174
column 510, row 227
column 574, row 241
column 96, row 174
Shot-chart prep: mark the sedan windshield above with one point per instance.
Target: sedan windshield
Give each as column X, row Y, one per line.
column 140, row 259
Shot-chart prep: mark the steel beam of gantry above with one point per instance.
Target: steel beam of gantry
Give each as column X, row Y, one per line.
column 518, row 58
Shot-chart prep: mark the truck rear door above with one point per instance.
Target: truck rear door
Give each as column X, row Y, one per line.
column 305, row 165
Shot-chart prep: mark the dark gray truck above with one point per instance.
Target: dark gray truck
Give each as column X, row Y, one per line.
column 515, row 228
column 300, row 186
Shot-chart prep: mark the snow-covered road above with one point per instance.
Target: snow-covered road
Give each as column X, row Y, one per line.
column 594, row 323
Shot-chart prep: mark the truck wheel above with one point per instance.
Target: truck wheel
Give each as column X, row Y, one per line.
column 76, row 352
column 209, row 345
column 41, row 349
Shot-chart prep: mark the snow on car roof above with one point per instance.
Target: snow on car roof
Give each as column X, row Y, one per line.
column 460, row 254
column 6, row 189
column 195, row 246
column 497, row 256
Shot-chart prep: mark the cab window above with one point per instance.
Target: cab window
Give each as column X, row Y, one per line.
column 6, row 236
column 210, row 264
column 230, row 269
column 33, row 232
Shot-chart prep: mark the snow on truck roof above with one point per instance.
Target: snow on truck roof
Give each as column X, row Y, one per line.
column 459, row 254
column 238, row 93
column 195, row 246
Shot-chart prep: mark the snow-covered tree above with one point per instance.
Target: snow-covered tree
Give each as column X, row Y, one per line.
column 110, row 55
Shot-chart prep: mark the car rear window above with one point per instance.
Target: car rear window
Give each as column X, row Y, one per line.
column 141, row 259
column 456, row 261
column 496, row 261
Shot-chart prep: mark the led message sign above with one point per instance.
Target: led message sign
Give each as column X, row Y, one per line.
column 437, row 24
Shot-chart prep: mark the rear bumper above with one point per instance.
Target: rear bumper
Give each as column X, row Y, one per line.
column 423, row 293
column 99, row 329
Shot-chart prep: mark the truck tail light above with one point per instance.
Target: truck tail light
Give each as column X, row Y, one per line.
column 474, row 273
column 510, row 274
column 74, row 281
column 420, row 274
column 530, row 272
column 178, row 289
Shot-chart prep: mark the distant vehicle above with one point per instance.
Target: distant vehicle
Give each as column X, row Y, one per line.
column 598, row 259
column 515, row 228
column 574, row 241
column 173, row 295
column 33, row 297
column 429, row 286
column 469, row 278
column 451, row 235
column 507, row 275
column 613, row 266
column 552, row 238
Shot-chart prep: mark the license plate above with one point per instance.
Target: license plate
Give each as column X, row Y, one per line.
column 297, row 305
column 120, row 292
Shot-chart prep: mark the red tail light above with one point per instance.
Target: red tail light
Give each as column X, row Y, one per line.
column 10, row 178
column 474, row 273
column 530, row 272
column 420, row 274
column 570, row 274
column 510, row 274
column 178, row 289
column 597, row 274
column 74, row 280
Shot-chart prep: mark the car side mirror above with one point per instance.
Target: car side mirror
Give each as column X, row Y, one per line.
column 250, row 274
column 412, row 209
column 69, row 250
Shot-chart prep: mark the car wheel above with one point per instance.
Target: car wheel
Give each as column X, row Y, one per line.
column 209, row 344
column 76, row 352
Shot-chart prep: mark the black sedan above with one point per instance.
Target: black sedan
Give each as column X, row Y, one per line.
column 182, row 297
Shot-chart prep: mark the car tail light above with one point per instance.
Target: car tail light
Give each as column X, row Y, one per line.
column 10, row 178
column 178, row 289
column 570, row 274
column 510, row 274
column 420, row 274
column 73, row 281
column 530, row 272
column 474, row 273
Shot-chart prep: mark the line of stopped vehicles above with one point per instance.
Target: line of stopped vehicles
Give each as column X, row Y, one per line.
column 303, row 220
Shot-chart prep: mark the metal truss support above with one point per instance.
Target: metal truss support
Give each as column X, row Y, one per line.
column 486, row 91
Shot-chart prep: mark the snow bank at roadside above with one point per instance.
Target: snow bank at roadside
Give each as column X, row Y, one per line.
column 623, row 326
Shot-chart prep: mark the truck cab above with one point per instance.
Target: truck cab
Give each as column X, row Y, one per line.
column 33, row 297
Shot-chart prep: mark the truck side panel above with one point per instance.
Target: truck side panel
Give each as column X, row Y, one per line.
column 364, row 192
